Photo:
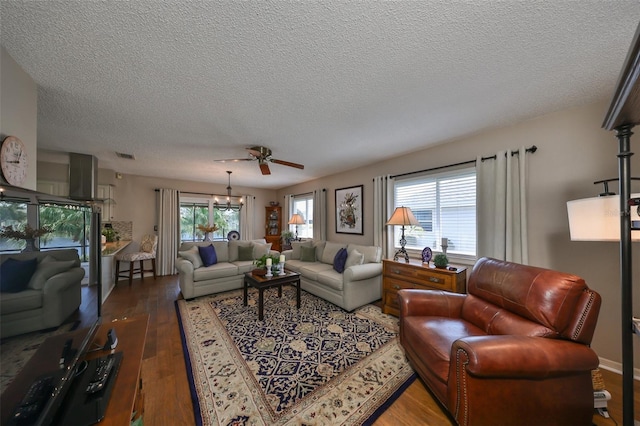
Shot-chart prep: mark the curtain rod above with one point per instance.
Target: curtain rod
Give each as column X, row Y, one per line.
column 493, row 157
column 204, row 193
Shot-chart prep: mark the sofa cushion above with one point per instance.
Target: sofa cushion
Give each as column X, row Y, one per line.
column 331, row 279
column 372, row 254
column 23, row 301
column 340, row 260
column 319, row 245
column 329, row 252
column 307, row 254
column 245, row 252
column 354, row 258
column 295, row 248
column 208, row 255
column 219, row 270
column 260, row 250
column 15, row 274
column 192, row 255
column 47, row 268
column 310, row 270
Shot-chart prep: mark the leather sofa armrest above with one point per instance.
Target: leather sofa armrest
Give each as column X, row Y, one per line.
column 511, row 356
column 414, row 302
column 362, row 272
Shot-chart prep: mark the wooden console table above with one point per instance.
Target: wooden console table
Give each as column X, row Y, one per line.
column 127, row 396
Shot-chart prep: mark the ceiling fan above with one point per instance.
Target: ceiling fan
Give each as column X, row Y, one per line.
column 263, row 155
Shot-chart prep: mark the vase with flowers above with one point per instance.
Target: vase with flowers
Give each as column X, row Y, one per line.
column 28, row 234
column 207, row 230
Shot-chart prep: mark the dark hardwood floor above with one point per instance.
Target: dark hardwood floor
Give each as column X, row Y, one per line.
column 166, row 389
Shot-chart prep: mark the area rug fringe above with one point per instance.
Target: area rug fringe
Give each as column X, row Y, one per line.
column 227, row 389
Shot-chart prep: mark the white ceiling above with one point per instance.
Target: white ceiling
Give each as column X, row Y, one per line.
column 332, row 85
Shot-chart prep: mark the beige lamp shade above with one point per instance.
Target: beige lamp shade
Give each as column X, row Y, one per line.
column 403, row 216
column 598, row 219
column 296, row 219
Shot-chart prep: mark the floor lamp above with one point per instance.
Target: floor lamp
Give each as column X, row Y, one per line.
column 607, row 218
column 403, row 216
column 296, row 220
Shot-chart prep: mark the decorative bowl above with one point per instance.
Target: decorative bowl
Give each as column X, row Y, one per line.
column 259, row 272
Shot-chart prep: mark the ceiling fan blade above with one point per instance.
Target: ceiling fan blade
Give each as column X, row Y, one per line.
column 234, row 160
column 264, row 168
column 287, row 163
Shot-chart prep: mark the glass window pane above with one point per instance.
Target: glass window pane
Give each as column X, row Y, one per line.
column 70, row 225
column 445, row 206
column 15, row 215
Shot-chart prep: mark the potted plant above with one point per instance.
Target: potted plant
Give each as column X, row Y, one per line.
column 440, row 260
column 110, row 234
column 28, row 234
column 262, row 261
column 287, row 236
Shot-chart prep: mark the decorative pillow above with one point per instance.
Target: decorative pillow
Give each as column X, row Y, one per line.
column 245, row 253
column 354, row 258
column 339, row 260
column 48, row 268
column 15, row 274
column 208, row 255
column 307, row 254
column 295, row 248
column 260, row 250
column 192, row 255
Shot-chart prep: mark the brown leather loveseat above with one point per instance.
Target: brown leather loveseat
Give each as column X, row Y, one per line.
column 513, row 351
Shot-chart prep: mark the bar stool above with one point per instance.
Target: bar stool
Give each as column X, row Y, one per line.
column 147, row 251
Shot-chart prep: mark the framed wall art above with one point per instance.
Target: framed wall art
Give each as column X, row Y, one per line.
column 349, row 214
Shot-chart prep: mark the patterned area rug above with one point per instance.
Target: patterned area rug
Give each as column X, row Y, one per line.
column 16, row 351
column 317, row 365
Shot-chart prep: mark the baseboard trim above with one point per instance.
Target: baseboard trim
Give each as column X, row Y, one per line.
column 616, row 367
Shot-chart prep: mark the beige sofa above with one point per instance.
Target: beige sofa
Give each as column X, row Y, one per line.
column 46, row 299
column 227, row 274
column 360, row 282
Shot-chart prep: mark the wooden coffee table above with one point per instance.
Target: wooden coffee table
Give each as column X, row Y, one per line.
column 262, row 282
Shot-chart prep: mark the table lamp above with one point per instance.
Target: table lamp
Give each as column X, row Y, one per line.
column 403, row 216
column 296, row 220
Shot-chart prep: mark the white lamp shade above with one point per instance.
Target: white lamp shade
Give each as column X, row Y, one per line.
column 296, row 219
column 403, row 216
column 598, row 219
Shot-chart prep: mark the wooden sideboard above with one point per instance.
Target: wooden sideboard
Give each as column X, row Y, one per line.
column 400, row 275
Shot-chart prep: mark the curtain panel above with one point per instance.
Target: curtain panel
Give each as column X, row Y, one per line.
column 319, row 215
column 247, row 218
column 383, row 206
column 502, row 207
column 168, row 230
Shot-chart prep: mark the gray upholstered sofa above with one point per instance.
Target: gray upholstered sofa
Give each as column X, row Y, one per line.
column 233, row 259
column 360, row 282
column 46, row 298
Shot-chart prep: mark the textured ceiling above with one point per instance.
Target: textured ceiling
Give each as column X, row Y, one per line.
column 332, row 85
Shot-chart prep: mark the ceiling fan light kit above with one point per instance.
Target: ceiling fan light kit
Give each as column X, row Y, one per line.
column 263, row 155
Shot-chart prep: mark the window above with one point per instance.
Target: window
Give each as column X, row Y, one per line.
column 196, row 211
column 12, row 214
column 303, row 205
column 445, row 206
column 71, row 225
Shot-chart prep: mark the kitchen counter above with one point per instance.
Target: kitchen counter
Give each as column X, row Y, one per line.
column 111, row 249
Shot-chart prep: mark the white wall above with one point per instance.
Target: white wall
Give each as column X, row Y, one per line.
column 19, row 110
column 573, row 152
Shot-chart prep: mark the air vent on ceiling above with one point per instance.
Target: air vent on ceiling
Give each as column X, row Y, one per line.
column 127, row 156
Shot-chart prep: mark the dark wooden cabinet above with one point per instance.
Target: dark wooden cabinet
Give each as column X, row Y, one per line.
column 400, row 275
column 273, row 226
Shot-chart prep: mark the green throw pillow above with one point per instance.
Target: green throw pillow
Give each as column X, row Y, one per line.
column 308, row 254
column 245, row 253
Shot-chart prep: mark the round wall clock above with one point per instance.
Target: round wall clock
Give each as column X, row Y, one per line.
column 13, row 161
